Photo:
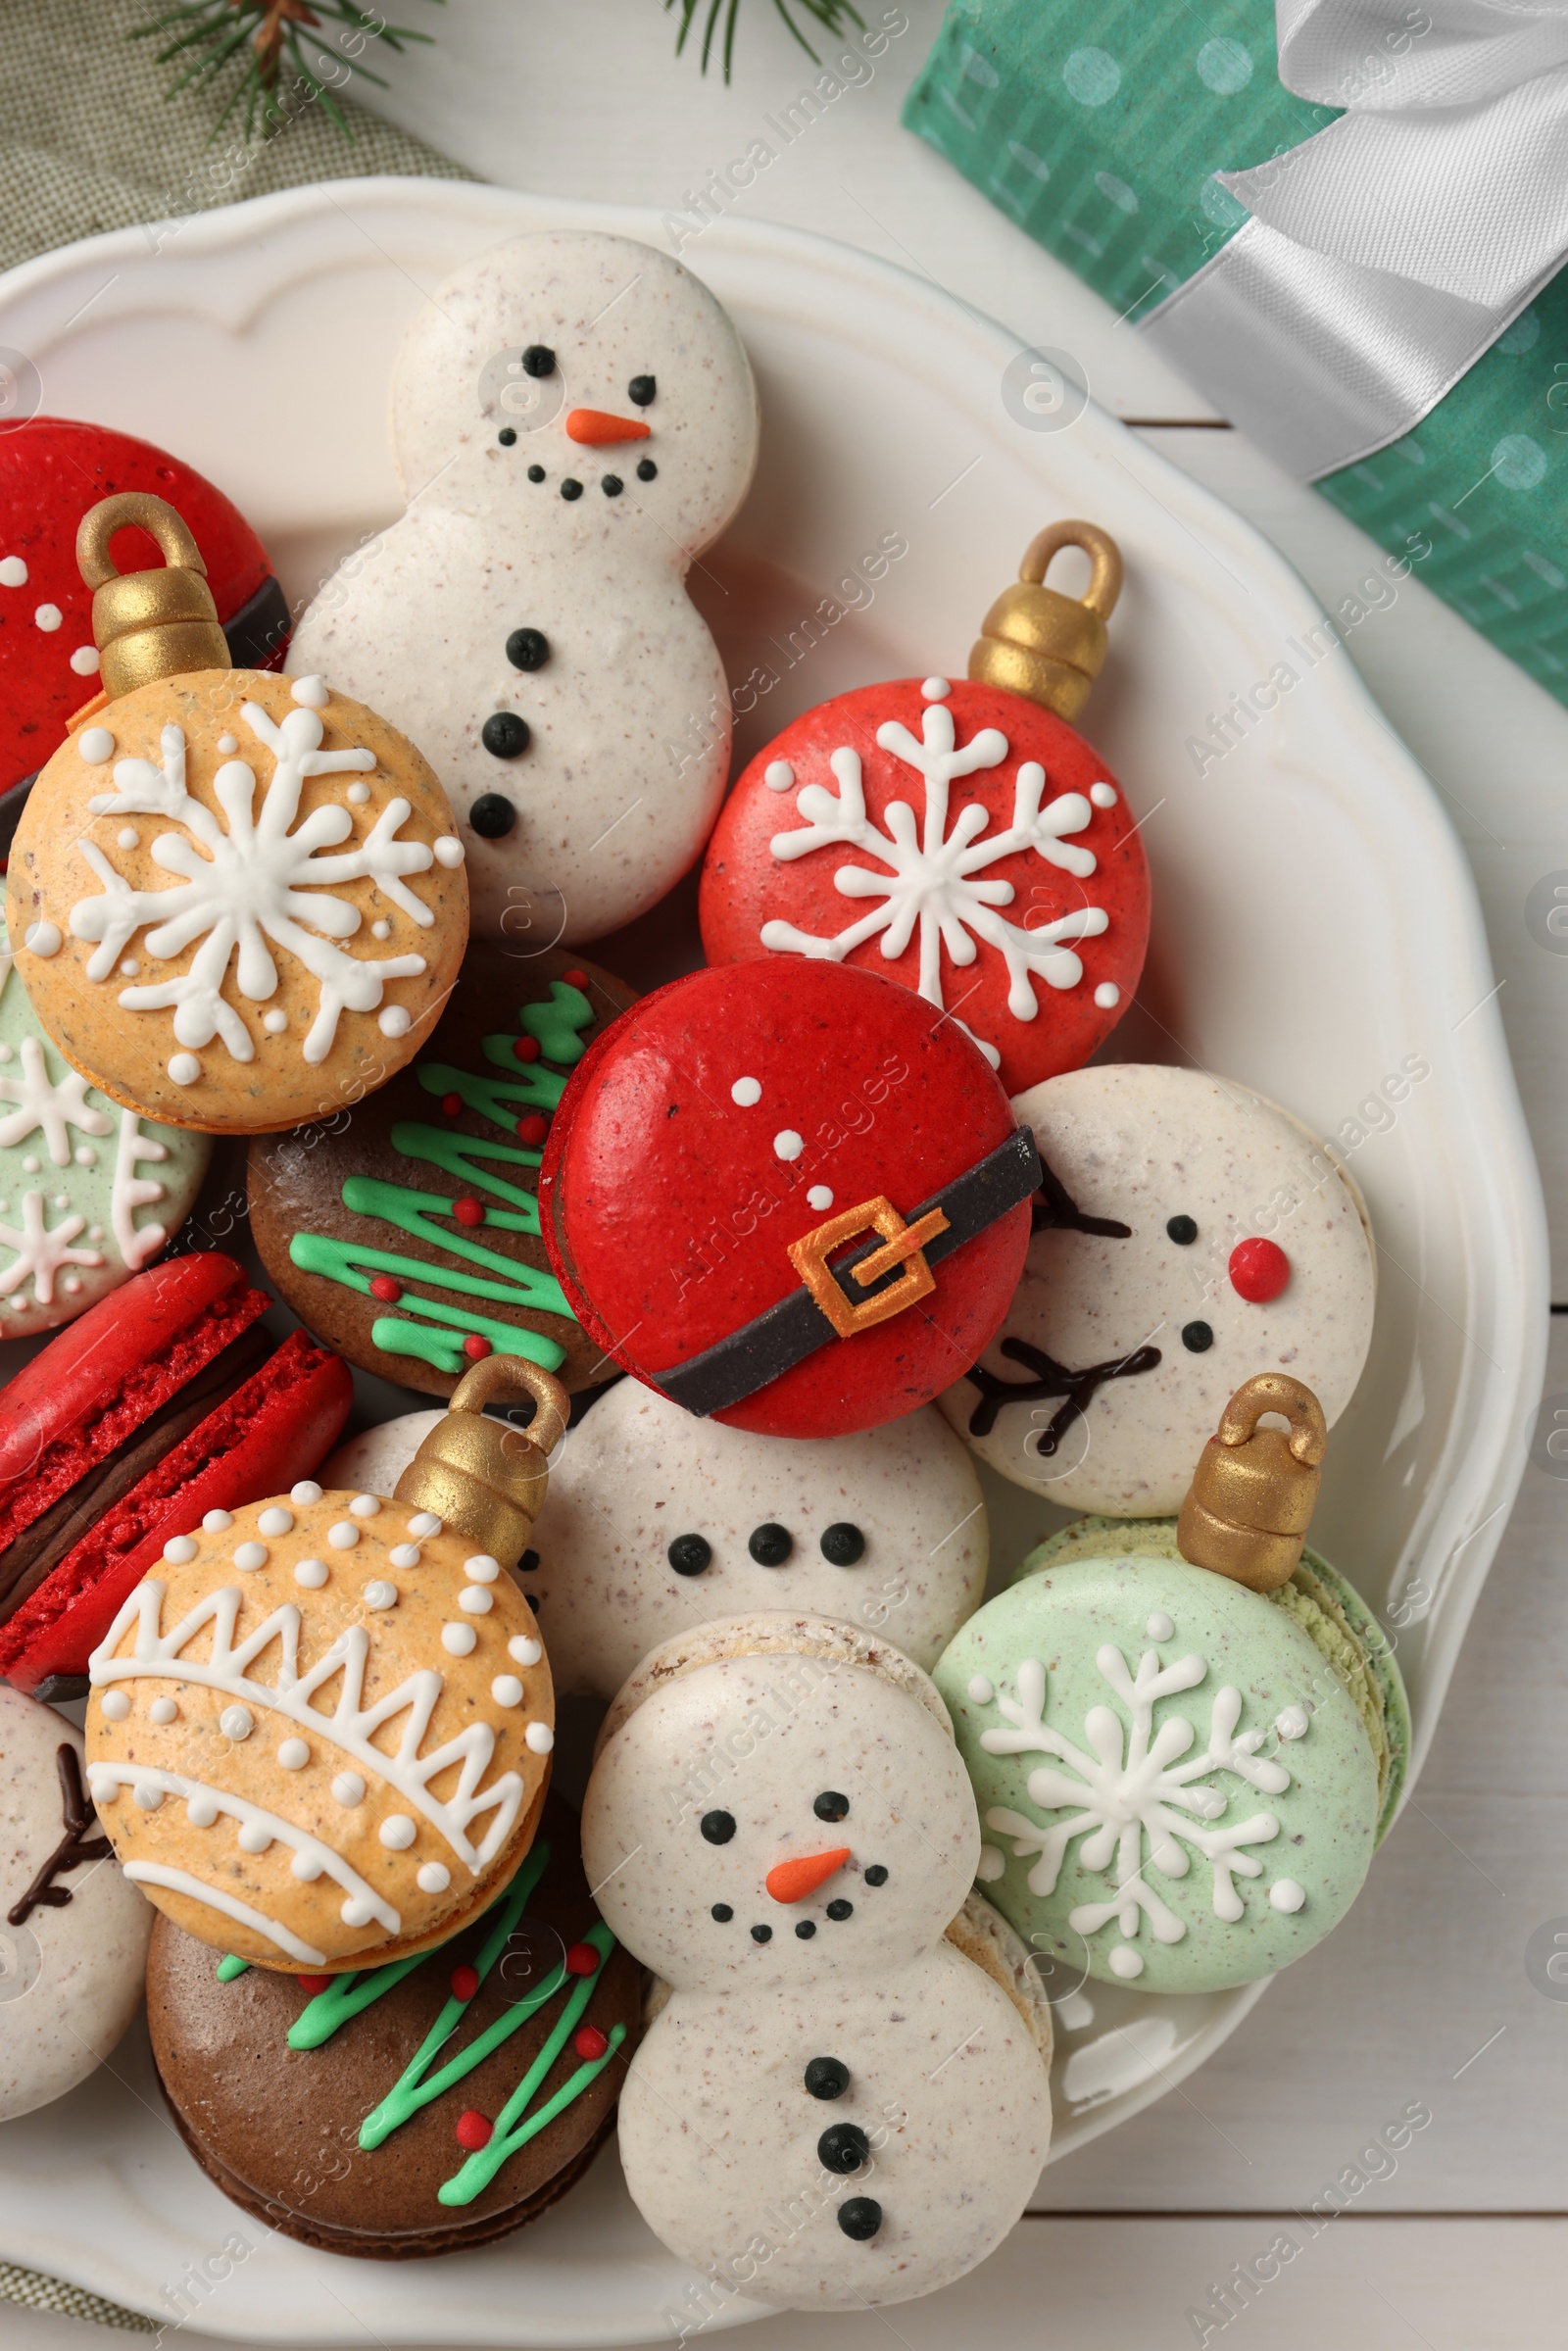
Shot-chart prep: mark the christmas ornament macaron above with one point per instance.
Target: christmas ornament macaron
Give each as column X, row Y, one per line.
column 1187, row 1233
column 959, row 836
column 406, row 1236
column 320, row 1732
column 235, row 901
column 1185, row 1738
column 789, row 1196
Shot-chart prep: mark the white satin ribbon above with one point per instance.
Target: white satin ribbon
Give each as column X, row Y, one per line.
column 1389, row 251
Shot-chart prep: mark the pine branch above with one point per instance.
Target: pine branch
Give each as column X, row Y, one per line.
column 257, row 49
column 835, row 17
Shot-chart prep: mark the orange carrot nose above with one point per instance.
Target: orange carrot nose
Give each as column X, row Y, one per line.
column 598, row 428
column 793, row 1881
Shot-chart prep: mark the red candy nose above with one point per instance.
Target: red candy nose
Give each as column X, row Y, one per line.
column 599, row 428
column 793, row 1881
column 1259, row 1270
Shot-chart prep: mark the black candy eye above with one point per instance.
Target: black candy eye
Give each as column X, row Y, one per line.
column 770, row 1545
column 538, row 360
column 527, row 649
column 1183, row 1230
column 505, row 436
column 761, row 1934
column 525, row 1566
column 842, row 1544
column 859, row 2217
column 723, row 1913
column 492, row 816
column 647, row 470
column 717, row 1827
column 876, row 1875
column 535, row 472
column 640, row 391
column 828, row 2078
column 1198, row 1338
column 841, row 1909
column 504, row 735
column 689, row 1554
column 830, row 1805
column 842, row 2147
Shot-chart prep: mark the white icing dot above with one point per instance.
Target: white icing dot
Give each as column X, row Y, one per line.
column 313, row 692
column 397, row 1832
column 405, row 1554
column 980, row 1690
column 343, row 1536
column 95, row 1232
column 276, row 1520
column 227, row 745
column 525, row 1649
column 423, row 1522
column 348, row 1787
column 312, row 1573
column 1292, row 1721
column 458, row 1639
column 365, row 1505
column 71, row 1284
column 778, row 775
column 127, row 837
column 1108, row 996
column 201, row 1810
column 1286, row 1895
column 216, row 1522
column 306, row 1865
column 991, row 1864
column 305, row 1494
column 116, row 1704
column 43, row 937
column 275, row 1022
column 1126, row 1963
column 745, row 1092
column 254, row 1838
column 162, row 1710
column 936, row 689
column 356, row 1912
column 128, row 967
column 85, row 660
column 62, row 1200
column 381, row 1594
column 13, row 571
column 474, row 1601
column 48, row 618
column 482, row 1568
column 819, row 1198
column 359, row 794
column 394, row 1021
column 31, row 1165
column 380, row 930
column 448, row 851
column 185, row 1069
column 1103, row 794
column 235, row 1722
column 507, row 1690
column 1160, row 1626
column 433, row 1878
column 539, row 1738
column 149, row 1798
column 787, row 1144
column 178, row 1549
column 249, row 1555
column 86, row 1157
column 293, row 1754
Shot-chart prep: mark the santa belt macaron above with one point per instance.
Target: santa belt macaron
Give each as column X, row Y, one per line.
column 839, row 1296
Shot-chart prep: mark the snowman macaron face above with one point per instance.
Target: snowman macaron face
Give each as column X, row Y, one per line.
column 761, row 1819
column 1188, row 1235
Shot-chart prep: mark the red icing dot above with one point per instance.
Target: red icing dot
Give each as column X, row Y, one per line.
column 464, row 1983
column 582, row 1960
column 575, row 979
column 451, row 1105
column 467, row 1211
column 526, row 1048
column 473, row 2132
column 533, row 1128
column 476, row 1348
column 385, row 1289
column 1259, row 1270
column 589, row 2041
column 312, row 1983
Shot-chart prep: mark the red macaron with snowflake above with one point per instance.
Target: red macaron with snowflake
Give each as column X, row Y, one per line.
column 788, row 1195
column 955, row 837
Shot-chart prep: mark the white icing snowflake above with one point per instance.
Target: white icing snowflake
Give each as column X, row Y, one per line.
column 47, row 1103
column 248, row 882
column 41, row 1249
column 933, row 880
column 1133, row 1785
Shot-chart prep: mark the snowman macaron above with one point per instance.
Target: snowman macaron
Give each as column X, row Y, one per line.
column 573, row 422
column 1188, row 1234
column 835, row 2105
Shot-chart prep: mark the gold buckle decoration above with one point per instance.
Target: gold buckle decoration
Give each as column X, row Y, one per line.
column 903, row 1244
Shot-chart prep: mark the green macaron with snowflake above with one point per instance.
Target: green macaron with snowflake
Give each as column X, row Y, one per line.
column 1186, row 1736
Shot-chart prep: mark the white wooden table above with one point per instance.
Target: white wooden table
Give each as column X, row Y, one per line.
column 1423, row 1996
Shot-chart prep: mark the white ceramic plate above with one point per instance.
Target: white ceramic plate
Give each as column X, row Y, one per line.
column 1315, row 928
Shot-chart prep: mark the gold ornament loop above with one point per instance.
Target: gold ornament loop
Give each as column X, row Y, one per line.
column 1105, row 558
column 483, row 1478
column 1253, row 1490
column 137, row 509
column 496, row 1377
column 1037, row 642
column 1277, row 1392
column 148, row 624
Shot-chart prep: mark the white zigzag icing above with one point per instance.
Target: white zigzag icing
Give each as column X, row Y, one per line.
column 349, row 1726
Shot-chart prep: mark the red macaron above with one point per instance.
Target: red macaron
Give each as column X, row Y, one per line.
column 162, row 1402
column 739, row 1148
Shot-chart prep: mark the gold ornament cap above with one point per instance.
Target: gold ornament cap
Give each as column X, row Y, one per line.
column 1037, row 642
column 1253, row 1491
column 482, row 1478
column 148, row 624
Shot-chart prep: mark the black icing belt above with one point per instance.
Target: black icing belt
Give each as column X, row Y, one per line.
column 775, row 1341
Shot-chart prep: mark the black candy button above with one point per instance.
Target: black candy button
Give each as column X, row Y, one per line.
column 770, row 1545
column 640, row 391
column 876, row 1875
column 842, row 2147
column 830, row 1805
column 828, row 2078
column 761, row 1934
column 504, row 735
column 492, row 816
column 570, row 489
column 647, row 470
column 843, row 1546
column 538, row 360
column 1198, row 1338
column 806, row 1929
column 859, row 2217
column 689, row 1554
column 537, row 473
column 1183, row 1230
column 611, row 485
column 723, row 1913
column 841, row 1909
column 717, row 1827
column 505, row 436
column 528, row 1563
column 527, row 649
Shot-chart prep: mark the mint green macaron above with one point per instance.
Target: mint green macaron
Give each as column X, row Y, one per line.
column 1180, row 1781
